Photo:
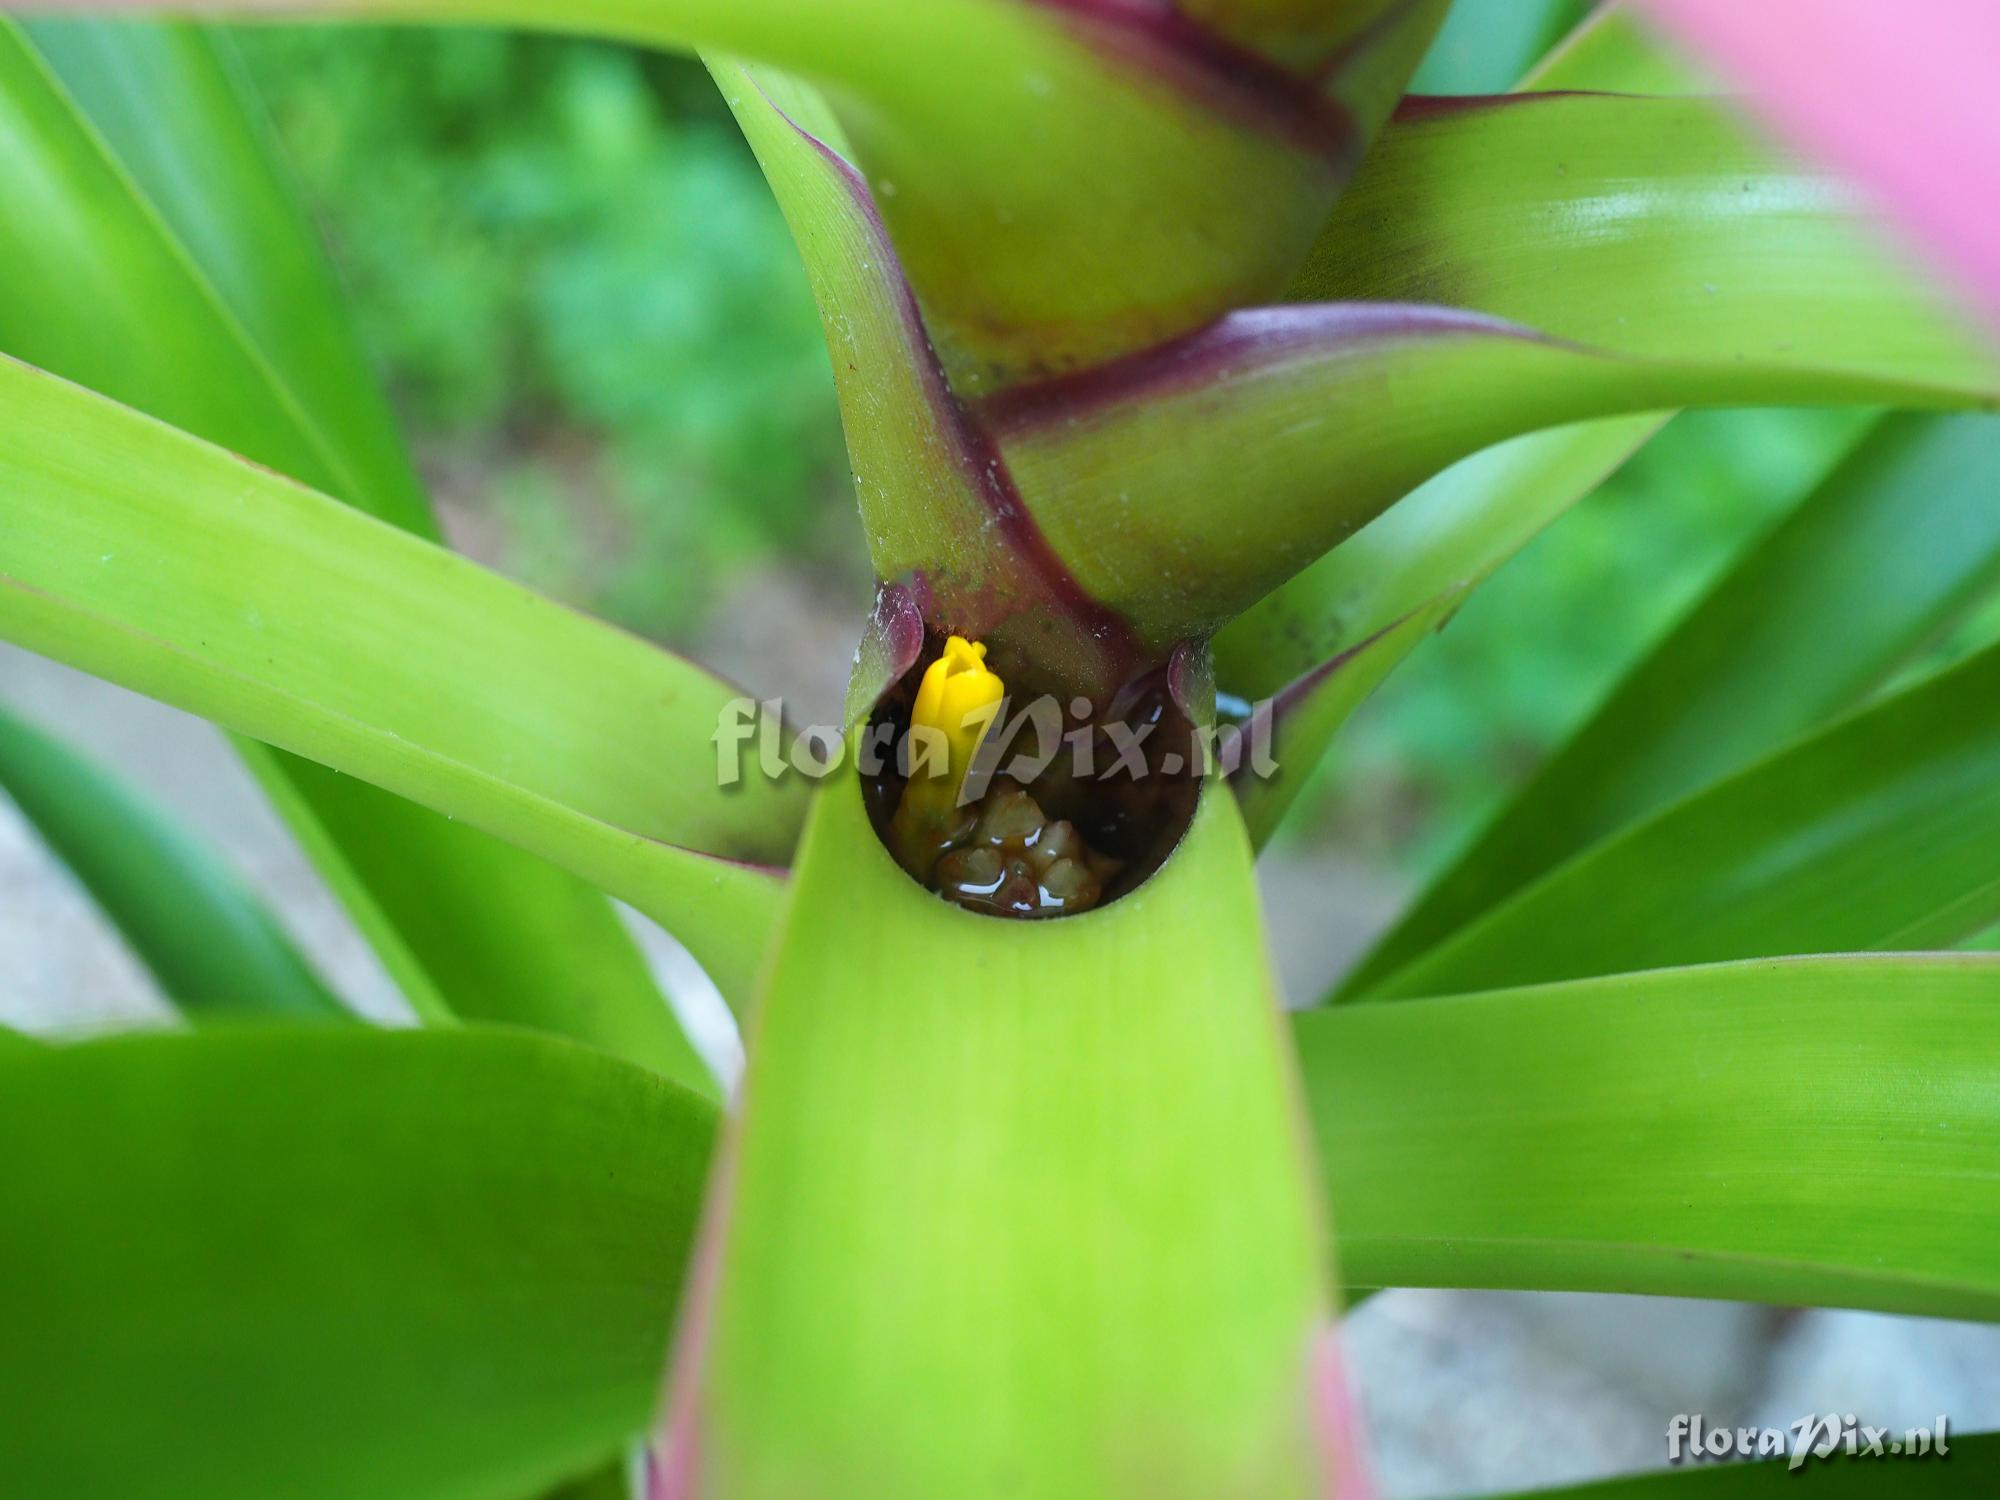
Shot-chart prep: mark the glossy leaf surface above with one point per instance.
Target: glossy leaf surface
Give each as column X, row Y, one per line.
column 1930, row 148
column 1880, row 832
column 1899, row 542
column 1813, row 1130
column 1452, row 531
column 108, row 296
column 438, row 1266
column 1312, row 421
column 1447, row 536
column 147, row 557
column 1330, row 414
column 975, row 1239
column 1659, row 228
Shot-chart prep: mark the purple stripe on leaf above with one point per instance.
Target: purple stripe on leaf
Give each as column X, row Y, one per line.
column 1225, row 76
column 1240, row 344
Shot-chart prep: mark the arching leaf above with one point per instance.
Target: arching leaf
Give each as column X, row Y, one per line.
column 140, row 554
column 1449, row 534
column 1898, row 543
column 1880, row 832
column 1930, row 146
column 106, row 294
column 972, row 120
column 176, row 113
column 1313, row 419
column 1713, row 1132
column 1657, row 227
column 209, row 942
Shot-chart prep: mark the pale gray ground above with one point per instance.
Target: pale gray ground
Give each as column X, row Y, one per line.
column 1463, row 1393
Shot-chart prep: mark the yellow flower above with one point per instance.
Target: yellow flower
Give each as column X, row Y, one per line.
column 958, row 700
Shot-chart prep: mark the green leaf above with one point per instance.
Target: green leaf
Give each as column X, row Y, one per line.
column 936, row 504
column 975, row 1241
column 155, row 560
column 1810, row 1130
column 100, row 291
column 611, row 1483
column 1448, row 535
column 1882, row 831
column 107, row 296
column 1310, row 35
column 211, row 945
column 975, row 120
column 1306, row 715
column 439, row 1266
column 1898, row 543
column 1209, row 173
column 1444, row 537
column 1327, row 414
column 1594, row 227
column 1612, row 52
column 1659, row 228
column 502, row 935
column 176, row 112
column 1211, row 168
column 925, row 493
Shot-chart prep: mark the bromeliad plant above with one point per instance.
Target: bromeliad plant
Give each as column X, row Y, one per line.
column 1160, row 331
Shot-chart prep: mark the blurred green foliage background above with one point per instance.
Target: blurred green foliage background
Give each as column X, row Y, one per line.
column 583, row 299
column 606, row 357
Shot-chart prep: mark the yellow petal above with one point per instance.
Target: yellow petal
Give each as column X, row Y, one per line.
column 959, row 698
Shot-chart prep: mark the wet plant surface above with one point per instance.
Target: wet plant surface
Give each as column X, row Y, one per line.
column 1065, row 806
